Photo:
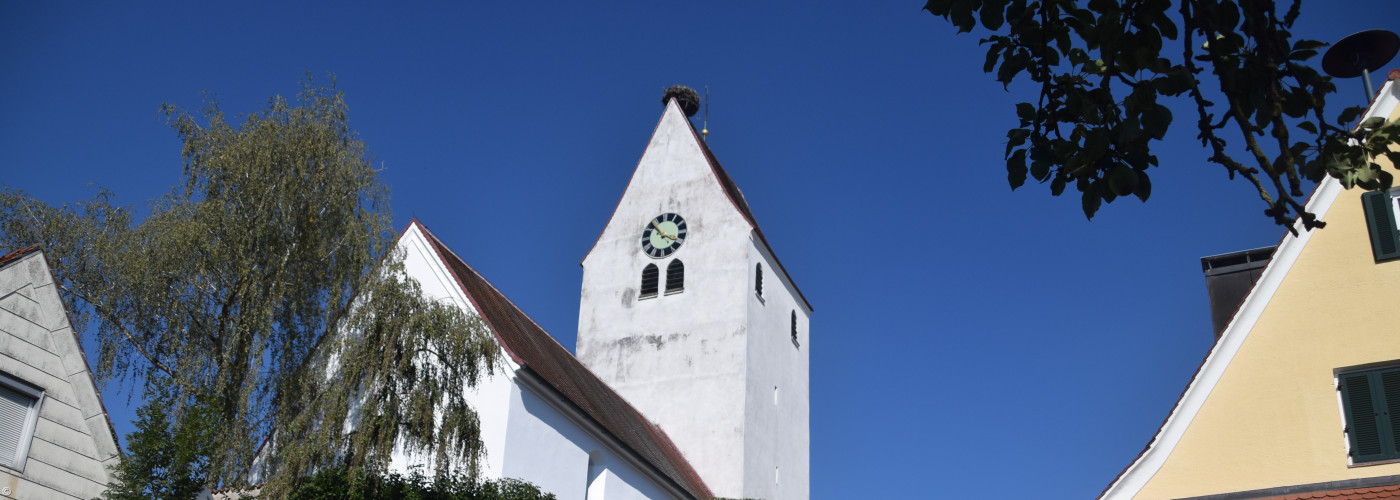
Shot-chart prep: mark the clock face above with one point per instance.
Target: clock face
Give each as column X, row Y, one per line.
column 663, row 235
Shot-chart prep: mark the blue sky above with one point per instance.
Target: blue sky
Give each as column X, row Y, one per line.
column 967, row 340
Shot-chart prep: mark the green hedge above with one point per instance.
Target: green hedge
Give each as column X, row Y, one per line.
column 340, row 484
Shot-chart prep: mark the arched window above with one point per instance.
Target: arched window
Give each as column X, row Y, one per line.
column 675, row 276
column 758, row 280
column 650, row 279
column 794, row 329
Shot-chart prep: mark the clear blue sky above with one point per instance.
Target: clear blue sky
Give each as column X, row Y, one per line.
column 968, row 341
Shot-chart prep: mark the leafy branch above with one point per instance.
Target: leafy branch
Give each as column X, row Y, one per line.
column 1103, row 69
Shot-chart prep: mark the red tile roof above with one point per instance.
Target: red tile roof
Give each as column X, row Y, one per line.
column 1376, row 492
column 530, row 346
column 15, row 255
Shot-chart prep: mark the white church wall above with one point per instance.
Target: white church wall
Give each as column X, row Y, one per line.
column 551, row 449
column 525, row 436
column 776, row 419
column 654, row 350
column 492, row 394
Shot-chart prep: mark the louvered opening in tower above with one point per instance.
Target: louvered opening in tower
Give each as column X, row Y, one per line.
column 650, row 280
column 675, row 277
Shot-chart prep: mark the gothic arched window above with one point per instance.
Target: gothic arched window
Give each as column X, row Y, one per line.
column 649, row 281
column 758, row 280
column 675, row 276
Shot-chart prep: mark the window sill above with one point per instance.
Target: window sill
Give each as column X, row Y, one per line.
column 1377, row 462
column 673, row 292
column 646, row 297
column 760, row 299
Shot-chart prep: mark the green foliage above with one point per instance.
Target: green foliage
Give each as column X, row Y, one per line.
column 1104, row 67
column 235, row 286
column 339, row 484
column 163, row 457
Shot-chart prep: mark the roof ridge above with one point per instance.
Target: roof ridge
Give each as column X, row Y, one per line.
column 438, row 247
column 15, row 255
column 489, row 284
column 736, row 196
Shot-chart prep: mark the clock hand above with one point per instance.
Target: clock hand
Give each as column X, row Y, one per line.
column 662, row 231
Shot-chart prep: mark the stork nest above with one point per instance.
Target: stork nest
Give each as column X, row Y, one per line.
column 686, row 97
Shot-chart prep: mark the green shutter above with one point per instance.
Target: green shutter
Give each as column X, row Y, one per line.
column 1381, row 221
column 1370, row 399
column 1363, row 428
column 1389, row 406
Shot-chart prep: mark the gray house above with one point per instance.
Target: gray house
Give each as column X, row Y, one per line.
column 56, row 440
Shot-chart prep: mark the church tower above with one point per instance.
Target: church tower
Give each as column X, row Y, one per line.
column 686, row 312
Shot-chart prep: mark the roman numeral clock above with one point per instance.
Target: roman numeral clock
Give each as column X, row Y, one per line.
column 663, row 235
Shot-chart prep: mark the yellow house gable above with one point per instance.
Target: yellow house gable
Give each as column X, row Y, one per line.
column 1264, row 410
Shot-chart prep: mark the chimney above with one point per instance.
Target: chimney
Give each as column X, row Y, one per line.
column 1229, row 278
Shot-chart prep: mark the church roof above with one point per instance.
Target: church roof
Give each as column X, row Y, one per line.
column 530, row 346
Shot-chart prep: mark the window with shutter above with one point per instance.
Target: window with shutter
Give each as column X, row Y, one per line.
column 1380, row 220
column 19, row 411
column 675, row 277
column 650, row 281
column 1369, row 399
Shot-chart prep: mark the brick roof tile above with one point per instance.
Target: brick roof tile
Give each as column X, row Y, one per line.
column 1374, row 492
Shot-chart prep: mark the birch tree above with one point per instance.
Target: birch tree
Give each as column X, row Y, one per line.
column 234, row 288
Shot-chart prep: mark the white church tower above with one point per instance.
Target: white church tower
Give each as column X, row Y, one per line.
column 686, row 312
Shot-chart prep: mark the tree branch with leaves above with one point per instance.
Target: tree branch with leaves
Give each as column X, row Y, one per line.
column 1103, row 68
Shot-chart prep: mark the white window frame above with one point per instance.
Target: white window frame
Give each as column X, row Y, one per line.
column 26, row 437
column 1395, row 204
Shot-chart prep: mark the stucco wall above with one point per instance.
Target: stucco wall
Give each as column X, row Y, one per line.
column 547, row 448
column 776, row 434
column 73, row 444
column 1274, row 417
column 525, row 437
column 491, row 396
column 680, row 358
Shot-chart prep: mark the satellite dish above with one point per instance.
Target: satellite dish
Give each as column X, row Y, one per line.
column 1359, row 54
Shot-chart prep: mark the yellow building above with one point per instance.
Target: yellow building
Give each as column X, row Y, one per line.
column 1300, row 395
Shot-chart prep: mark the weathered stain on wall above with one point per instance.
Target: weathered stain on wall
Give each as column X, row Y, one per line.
column 698, row 343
